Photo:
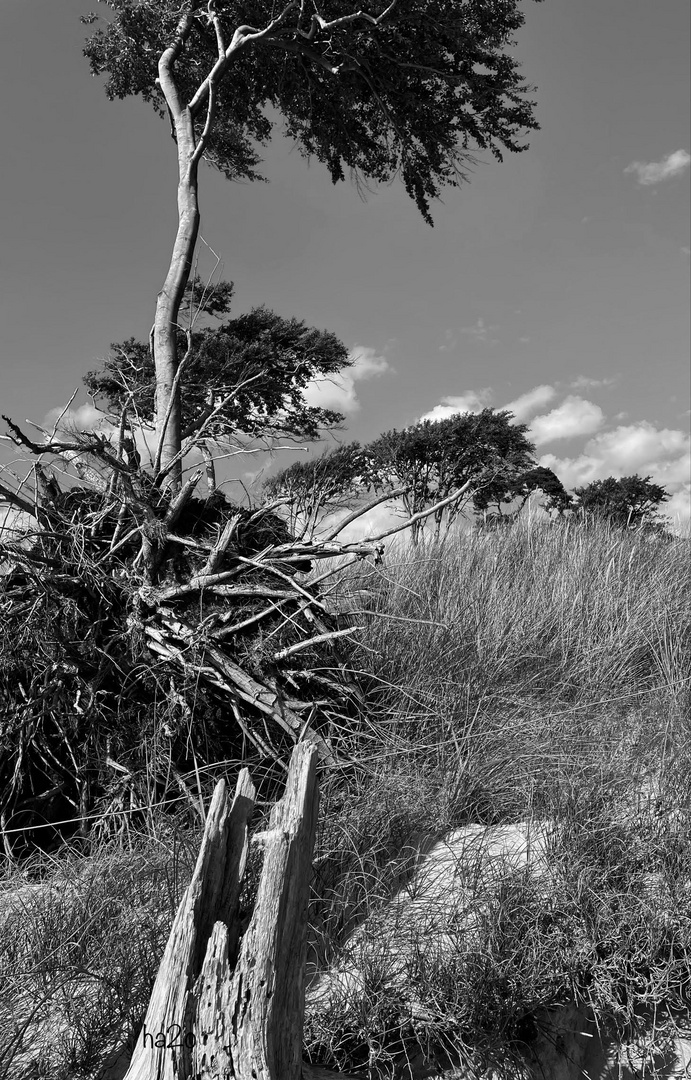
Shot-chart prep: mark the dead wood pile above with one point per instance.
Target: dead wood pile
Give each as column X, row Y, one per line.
column 148, row 635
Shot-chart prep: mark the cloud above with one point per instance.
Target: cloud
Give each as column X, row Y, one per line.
column 339, row 392
column 678, row 506
column 526, row 404
column 87, row 418
column 480, row 332
column 583, row 382
column 84, row 418
column 652, row 172
column 450, row 341
column 575, row 416
column 473, row 401
column 377, row 520
column 630, row 447
column 661, row 453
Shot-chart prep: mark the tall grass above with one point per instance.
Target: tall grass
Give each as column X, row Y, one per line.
column 539, row 674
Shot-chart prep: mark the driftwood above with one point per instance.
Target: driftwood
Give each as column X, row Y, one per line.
column 224, row 1008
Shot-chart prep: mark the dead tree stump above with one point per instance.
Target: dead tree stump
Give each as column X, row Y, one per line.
column 221, row 1008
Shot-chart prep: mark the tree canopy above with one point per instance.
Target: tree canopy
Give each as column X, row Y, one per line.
column 629, row 502
column 319, row 486
column 245, row 377
column 513, row 485
column 484, row 457
column 484, row 451
column 408, row 87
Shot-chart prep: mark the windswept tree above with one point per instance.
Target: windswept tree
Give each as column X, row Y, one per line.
column 240, row 381
column 629, row 503
column 320, row 486
column 408, row 88
column 476, row 455
column 151, row 632
column 502, row 499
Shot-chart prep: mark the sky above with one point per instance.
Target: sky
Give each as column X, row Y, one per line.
column 555, row 283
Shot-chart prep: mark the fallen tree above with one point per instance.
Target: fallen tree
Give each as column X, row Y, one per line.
column 153, row 638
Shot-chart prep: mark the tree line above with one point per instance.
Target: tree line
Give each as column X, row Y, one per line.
column 485, row 458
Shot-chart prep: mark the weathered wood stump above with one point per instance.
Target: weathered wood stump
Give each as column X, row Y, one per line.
column 224, row 1008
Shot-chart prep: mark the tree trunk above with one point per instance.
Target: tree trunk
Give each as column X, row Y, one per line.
column 220, row 1010
column 166, row 360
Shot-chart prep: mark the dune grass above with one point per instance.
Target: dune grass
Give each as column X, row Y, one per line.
column 537, row 674
column 534, row 674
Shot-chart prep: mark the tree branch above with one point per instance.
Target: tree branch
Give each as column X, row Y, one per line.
column 364, row 510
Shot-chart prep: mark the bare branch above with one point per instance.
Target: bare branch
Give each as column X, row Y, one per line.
column 219, row 549
column 180, row 500
column 7, row 495
column 422, row 514
column 364, row 510
column 283, row 654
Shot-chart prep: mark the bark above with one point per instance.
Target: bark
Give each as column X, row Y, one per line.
column 267, row 993
column 212, row 897
column 165, row 332
column 220, row 1009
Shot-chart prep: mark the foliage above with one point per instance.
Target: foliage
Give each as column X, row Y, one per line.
column 510, row 487
column 319, row 486
column 485, row 451
column 407, row 88
column 628, row 503
column 245, row 377
column 75, row 982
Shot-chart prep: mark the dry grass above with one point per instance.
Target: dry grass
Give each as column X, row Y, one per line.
column 536, row 674
column 530, row 675
column 80, row 942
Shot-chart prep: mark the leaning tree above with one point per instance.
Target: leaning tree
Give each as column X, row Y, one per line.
column 446, row 463
column 151, row 632
column 407, row 88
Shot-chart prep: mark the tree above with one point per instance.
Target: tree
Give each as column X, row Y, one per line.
column 629, row 503
column 244, row 379
column 512, row 488
column 481, row 453
column 319, row 486
column 405, row 88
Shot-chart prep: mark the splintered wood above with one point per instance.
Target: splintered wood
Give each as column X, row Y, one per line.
column 222, row 1007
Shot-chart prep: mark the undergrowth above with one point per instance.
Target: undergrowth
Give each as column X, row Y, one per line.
column 534, row 675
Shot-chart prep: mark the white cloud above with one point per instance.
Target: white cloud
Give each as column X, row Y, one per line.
column 377, row 520
column 637, row 447
column 584, row 382
column 526, row 404
column 652, row 172
column 678, row 506
column 473, row 401
column 664, row 454
column 480, row 332
column 575, row 416
column 339, row 392
column 84, row 418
